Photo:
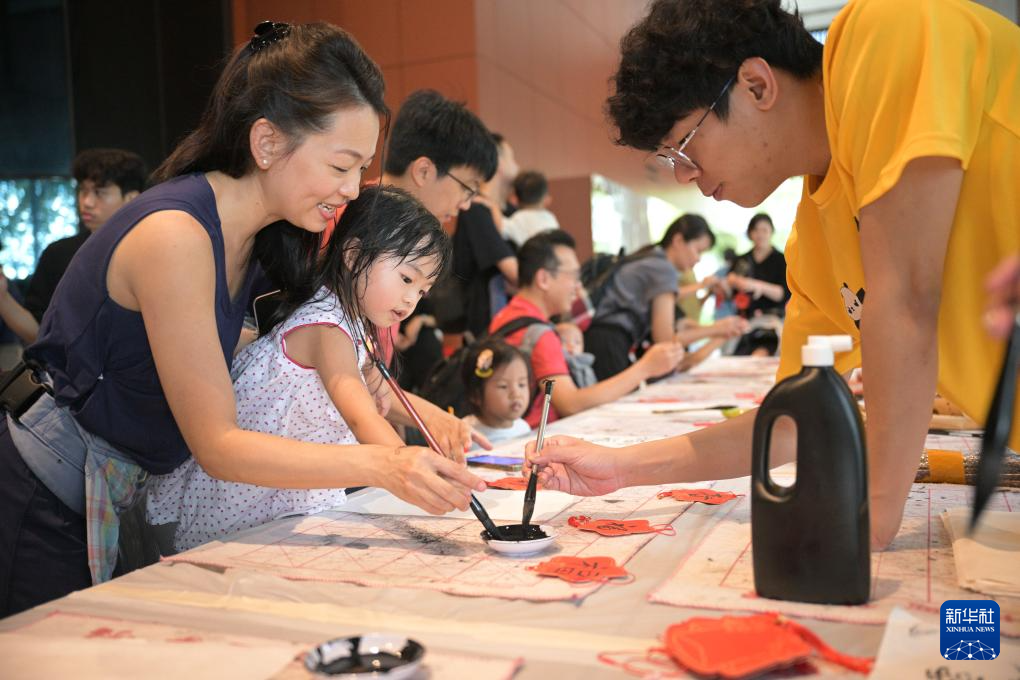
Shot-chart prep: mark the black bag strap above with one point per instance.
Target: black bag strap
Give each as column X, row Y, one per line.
column 603, row 279
column 515, row 325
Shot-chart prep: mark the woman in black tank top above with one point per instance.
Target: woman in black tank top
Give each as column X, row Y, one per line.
column 290, row 128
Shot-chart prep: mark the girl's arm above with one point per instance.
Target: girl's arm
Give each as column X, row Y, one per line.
column 330, row 351
column 164, row 268
column 453, row 434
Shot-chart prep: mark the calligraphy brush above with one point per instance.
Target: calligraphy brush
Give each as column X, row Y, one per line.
column 997, row 427
column 476, row 506
column 532, row 491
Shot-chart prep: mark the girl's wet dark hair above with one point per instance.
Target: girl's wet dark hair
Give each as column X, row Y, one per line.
column 474, row 385
column 297, row 82
column 382, row 222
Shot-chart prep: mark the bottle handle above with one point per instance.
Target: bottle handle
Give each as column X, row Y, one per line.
column 761, row 448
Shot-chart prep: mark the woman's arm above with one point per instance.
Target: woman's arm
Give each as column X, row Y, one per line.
column 660, row 359
column 725, row 328
column 692, row 359
column 164, row 269
column 757, row 287
column 689, row 289
column 329, row 350
column 663, row 317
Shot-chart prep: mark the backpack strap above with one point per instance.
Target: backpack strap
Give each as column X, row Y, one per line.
column 514, row 325
column 533, row 335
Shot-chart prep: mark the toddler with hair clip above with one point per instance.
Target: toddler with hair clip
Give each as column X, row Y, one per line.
column 497, row 389
column 304, row 379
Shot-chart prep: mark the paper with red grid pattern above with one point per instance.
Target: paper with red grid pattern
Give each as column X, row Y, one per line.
column 916, row 573
column 434, row 553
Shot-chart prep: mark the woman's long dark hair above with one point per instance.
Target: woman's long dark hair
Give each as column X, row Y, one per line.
column 690, row 227
column 297, row 82
column 382, row 222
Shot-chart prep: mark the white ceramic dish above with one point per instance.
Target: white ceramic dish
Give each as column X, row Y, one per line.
column 522, row 547
column 374, row 655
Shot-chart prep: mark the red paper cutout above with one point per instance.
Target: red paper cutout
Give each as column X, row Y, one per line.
column 706, row 496
column 581, row 569
column 732, row 647
column 618, row 527
column 510, row 484
column 735, row 647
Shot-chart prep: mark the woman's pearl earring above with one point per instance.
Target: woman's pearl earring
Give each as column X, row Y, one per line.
column 265, row 161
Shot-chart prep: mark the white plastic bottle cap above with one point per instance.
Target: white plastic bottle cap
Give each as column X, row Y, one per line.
column 838, row 343
column 816, row 355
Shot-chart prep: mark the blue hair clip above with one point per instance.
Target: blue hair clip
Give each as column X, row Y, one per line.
column 267, row 33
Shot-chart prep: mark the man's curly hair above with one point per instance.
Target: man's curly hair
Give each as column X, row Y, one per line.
column 676, row 60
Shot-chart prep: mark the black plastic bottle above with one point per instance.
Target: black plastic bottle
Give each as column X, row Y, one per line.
column 811, row 541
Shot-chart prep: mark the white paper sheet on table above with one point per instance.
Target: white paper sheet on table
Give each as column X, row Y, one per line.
column 989, row 561
column 736, row 367
column 501, row 505
column 917, row 571
column 437, row 665
column 26, row 656
column 74, row 645
column 910, row 649
column 433, row 553
column 71, row 646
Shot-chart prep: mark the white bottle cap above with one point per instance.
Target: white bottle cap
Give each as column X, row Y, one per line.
column 816, row 355
column 838, row 343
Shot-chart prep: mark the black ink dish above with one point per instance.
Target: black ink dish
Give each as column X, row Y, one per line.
column 376, row 655
column 513, row 541
column 515, row 532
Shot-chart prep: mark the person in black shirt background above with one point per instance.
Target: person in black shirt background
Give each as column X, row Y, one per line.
column 759, row 279
column 107, row 179
column 480, row 254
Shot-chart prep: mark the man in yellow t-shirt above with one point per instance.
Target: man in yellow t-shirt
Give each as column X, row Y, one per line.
column 906, row 128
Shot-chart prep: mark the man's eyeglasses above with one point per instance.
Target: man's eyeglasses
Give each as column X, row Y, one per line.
column 471, row 192
column 572, row 274
column 675, row 159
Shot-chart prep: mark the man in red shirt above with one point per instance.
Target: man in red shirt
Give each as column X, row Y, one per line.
column 550, row 278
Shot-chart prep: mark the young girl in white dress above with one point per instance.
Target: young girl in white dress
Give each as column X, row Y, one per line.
column 303, row 379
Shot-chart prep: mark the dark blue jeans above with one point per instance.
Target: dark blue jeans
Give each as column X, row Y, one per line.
column 43, row 549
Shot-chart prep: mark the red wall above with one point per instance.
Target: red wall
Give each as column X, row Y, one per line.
column 534, row 70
